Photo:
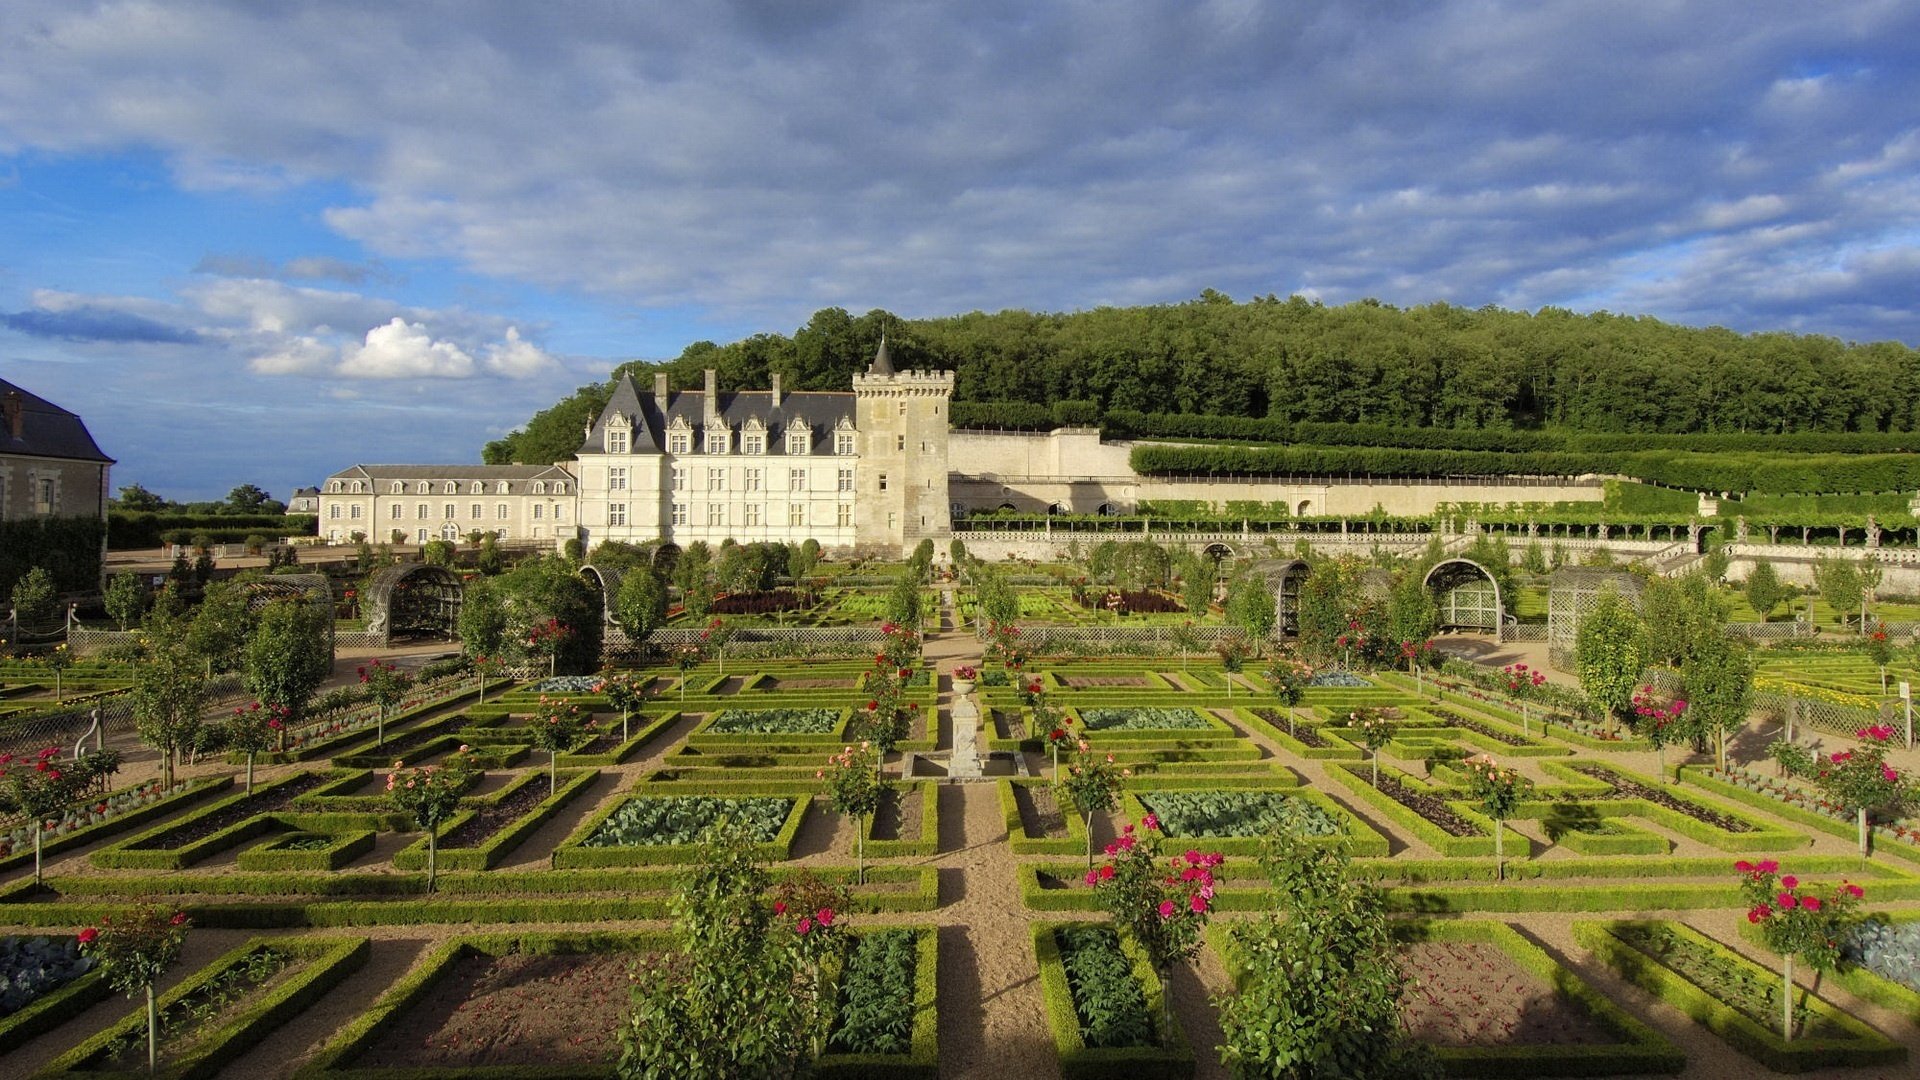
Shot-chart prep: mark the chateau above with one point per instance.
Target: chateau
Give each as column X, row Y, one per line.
column 871, row 472
column 49, row 464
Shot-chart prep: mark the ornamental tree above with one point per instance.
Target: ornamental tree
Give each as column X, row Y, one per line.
column 549, row 638
column 1719, row 681
column 1861, row 781
column 1233, row 654
column 1419, row 655
column 1319, row 993
column 886, row 716
column 1376, row 730
column 253, row 729
column 625, row 691
column 1187, row 640
column 1765, row 591
column 555, row 725
column 1091, row 786
column 686, row 656
column 1287, row 678
column 429, row 795
column 125, row 599
column 855, row 787
column 1498, row 792
column 1797, row 924
column 741, row 991
column 1880, row 651
column 1610, row 652
column 288, row 656
column 387, row 685
column 1523, row 685
column 134, row 952
column 36, row 785
column 1163, row 907
column 170, row 691
column 1658, row 722
column 641, row 604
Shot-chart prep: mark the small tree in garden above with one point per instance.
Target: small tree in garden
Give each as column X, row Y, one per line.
column 549, row 638
column 288, row 656
column 1659, row 724
column 686, row 656
column 1861, row 781
column 38, row 787
column 1797, row 924
column 1419, row 655
column 715, row 636
column 1162, row 905
column 1250, row 605
column 1523, row 685
column 555, row 725
column 855, row 787
column 170, row 691
column 1092, row 785
column 35, row 599
column 1287, row 679
column 887, row 716
column 134, row 952
column 1320, row 992
column 429, row 794
column 387, row 685
column 741, row 992
column 58, row 660
column 1058, row 736
column 624, row 691
column 1719, row 679
column 1765, row 591
column 1233, row 658
column 1499, row 792
column 483, row 669
column 1376, row 730
column 1187, row 640
column 254, row 729
column 1880, row 651
column 900, row 645
column 1610, row 652
column 125, row 599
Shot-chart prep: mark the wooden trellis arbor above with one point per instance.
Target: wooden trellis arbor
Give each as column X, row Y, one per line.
column 1575, row 592
column 413, row 600
column 1467, row 594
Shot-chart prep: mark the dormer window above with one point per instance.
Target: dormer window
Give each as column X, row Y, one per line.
column 424, row 487
column 539, row 488
column 559, row 487
column 334, row 487
column 753, row 437
column 718, row 440
column 799, row 437
column 451, row 488
column 679, row 436
column 355, row 487
column 398, row 488
column 616, row 441
column 502, row 488
column 475, row 489
column 843, row 441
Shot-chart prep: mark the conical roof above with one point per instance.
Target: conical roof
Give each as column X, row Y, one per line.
column 882, row 360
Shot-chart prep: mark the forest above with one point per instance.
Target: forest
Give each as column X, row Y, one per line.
column 1364, row 373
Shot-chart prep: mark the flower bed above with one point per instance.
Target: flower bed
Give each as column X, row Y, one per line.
column 223, row 1010
column 646, row 829
column 774, row 722
column 1735, row 998
column 1147, row 719
column 1101, row 999
column 1627, row 788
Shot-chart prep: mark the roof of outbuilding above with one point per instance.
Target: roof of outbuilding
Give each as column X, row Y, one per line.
column 453, row 472
column 46, row 429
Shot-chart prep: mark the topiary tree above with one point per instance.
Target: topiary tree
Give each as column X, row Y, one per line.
column 1797, row 924
column 429, row 794
column 1610, row 652
column 855, row 787
column 555, row 725
column 624, row 691
column 387, row 685
column 1861, row 781
column 1092, row 786
column 134, row 952
column 37, row 786
column 1499, row 792
column 1376, row 730
column 1318, row 994
column 253, row 729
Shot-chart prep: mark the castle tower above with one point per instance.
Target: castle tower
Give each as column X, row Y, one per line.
column 903, row 421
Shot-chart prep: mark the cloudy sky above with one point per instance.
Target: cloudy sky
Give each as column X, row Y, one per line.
column 259, row 242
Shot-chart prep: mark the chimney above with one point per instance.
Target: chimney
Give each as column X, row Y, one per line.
column 711, row 411
column 776, row 389
column 660, row 389
column 14, row 411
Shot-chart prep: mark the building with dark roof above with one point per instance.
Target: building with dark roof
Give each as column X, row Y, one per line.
column 447, row 502
column 49, row 464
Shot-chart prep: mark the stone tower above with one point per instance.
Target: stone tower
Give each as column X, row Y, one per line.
column 903, row 421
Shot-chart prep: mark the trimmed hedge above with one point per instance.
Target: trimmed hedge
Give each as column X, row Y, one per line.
column 193, row 792
column 572, row 853
column 1763, row 1043
column 1700, row 777
column 489, row 852
column 329, row 960
column 137, row 852
column 1075, row 842
column 1078, row 1061
column 1358, row 781
column 272, row 855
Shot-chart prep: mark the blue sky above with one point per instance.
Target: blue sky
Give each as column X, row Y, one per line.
column 258, row 243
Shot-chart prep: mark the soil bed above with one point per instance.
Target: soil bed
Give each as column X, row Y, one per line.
column 1040, row 815
column 1095, row 682
column 896, row 818
column 1454, row 719
column 1431, row 807
column 813, row 684
column 501, row 1011
column 1473, row 994
column 264, row 802
column 488, row 820
column 1624, row 788
column 1304, row 734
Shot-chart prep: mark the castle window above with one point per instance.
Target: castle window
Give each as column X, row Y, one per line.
column 616, row 441
column 843, row 515
column 716, row 479
column 679, row 478
column 846, row 480
column 502, row 488
column 679, row 513
column 560, row 512
column 616, row 513
column 423, row 488
column 501, row 512
column 420, row 512
column 617, row 479
column 752, row 480
column 334, row 487
column 356, row 487
column 678, row 442
column 451, row 512
column 899, row 442
column 883, row 481
column 538, row 511
column 333, row 512
column 796, row 515
column 476, row 488
column 796, row 479
column 717, row 514
column 903, row 408
column 718, row 441
column 479, row 511
column 451, row 488
column 797, row 439
column 398, row 488
column 843, row 443
column 539, row 488
column 753, row 442
column 396, row 512
column 750, row 514
column 353, row 512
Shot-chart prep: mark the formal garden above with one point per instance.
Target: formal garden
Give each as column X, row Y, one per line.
column 909, row 824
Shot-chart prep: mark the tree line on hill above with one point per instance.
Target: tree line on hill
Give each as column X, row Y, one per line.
column 1296, row 362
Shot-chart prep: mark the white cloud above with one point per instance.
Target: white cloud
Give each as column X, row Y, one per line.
column 517, row 358
column 404, row 350
column 300, row 355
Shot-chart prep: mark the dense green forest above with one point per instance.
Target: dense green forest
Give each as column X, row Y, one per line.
column 1364, row 373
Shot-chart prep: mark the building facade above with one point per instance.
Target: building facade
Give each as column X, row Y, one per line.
column 858, row 472
column 49, row 464
column 447, row 502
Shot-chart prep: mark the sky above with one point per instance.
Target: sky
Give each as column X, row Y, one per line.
column 259, row 243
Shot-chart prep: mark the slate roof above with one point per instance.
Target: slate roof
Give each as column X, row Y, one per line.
column 823, row 412
column 46, row 429
column 452, row 472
